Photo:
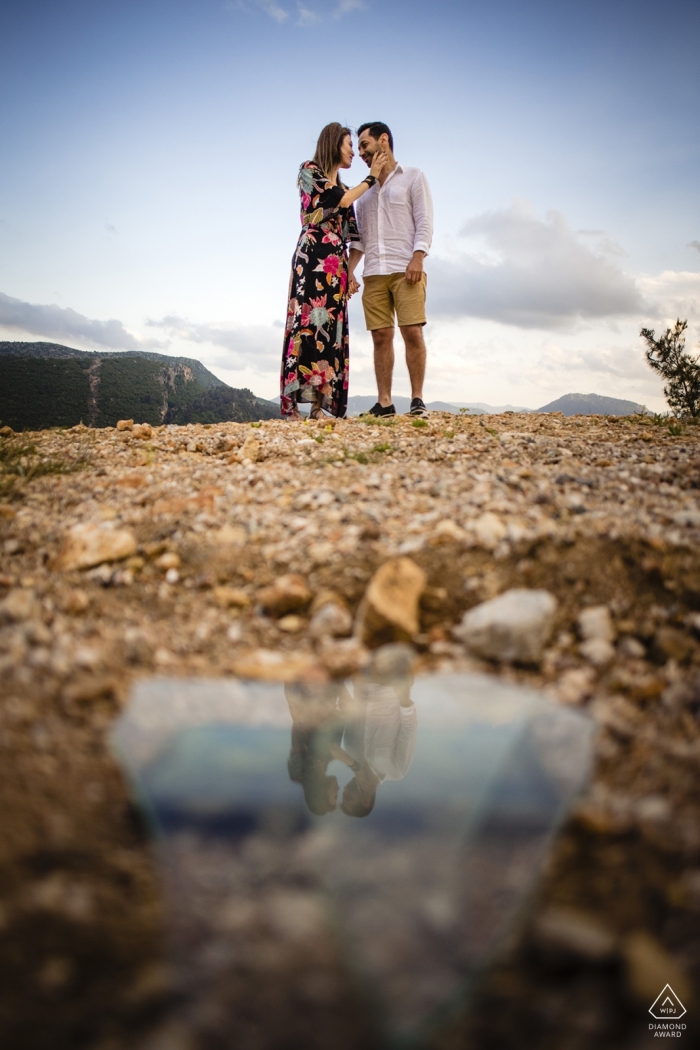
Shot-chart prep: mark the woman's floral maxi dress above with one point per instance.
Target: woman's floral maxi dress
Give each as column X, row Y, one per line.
column 316, row 346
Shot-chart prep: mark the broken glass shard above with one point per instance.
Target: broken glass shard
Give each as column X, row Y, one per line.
column 386, row 827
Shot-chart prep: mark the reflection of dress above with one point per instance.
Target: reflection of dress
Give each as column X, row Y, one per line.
column 386, row 738
column 315, row 354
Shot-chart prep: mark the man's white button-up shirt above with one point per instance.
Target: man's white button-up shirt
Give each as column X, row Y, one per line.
column 395, row 220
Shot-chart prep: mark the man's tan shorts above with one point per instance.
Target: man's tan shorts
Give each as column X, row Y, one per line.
column 386, row 295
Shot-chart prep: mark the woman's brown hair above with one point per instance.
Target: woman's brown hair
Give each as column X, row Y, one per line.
column 327, row 154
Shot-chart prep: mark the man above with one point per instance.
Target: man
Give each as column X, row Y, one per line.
column 395, row 221
column 379, row 740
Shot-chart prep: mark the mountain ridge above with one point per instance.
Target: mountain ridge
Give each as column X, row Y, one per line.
column 44, row 385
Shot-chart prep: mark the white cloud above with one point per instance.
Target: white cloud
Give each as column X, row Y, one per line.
column 57, row 323
column 306, row 15
column 671, row 294
column 274, row 10
column 257, row 346
column 346, row 7
column 621, row 362
column 532, row 273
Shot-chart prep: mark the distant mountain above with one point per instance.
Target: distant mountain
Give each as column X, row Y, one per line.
column 362, row 402
column 49, row 385
column 592, row 405
column 482, row 408
column 569, row 405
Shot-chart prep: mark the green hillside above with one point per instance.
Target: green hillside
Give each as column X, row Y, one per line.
column 48, row 385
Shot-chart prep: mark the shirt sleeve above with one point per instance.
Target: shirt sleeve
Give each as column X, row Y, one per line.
column 422, row 214
column 319, row 199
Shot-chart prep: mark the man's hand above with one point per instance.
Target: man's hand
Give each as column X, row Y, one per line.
column 414, row 270
column 353, row 285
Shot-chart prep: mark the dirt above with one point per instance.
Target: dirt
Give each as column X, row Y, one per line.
column 597, row 511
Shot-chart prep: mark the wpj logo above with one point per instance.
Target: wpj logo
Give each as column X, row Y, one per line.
column 667, row 1008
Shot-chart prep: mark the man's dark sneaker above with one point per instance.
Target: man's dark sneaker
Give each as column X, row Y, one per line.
column 380, row 410
column 417, row 408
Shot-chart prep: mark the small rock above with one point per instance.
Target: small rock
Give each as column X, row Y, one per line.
column 489, row 531
column 288, row 593
column 597, row 651
column 650, row 968
column 290, row 623
column 654, row 808
column 448, row 531
column 632, row 647
column 272, row 666
column 571, row 931
column 596, row 623
column 230, row 536
column 230, row 598
column 234, row 633
column 87, row 545
column 172, row 576
column 250, row 449
column 164, row 657
column 76, row 602
column 143, row 430
column 389, row 609
column 331, row 620
column 515, row 627
column 671, row 644
column 18, row 605
column 575, row 685
column 89, row 687
column 125, row 424
column 169, row 560
column 687, row 518
column 6, row 431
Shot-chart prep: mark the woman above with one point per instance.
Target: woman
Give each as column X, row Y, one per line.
column 315, row 355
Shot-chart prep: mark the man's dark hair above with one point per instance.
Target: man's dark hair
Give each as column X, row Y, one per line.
column 376, row 128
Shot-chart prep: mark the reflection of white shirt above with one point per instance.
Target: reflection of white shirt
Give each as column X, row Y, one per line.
column 386, row 739
column 395, row 220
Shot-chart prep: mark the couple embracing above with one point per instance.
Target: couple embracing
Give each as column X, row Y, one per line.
column 388, row 218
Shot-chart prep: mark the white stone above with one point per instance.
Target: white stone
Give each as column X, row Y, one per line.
column 18, row 605
column 515, row 627
column 597, row 651
column 88, row 544
column 489, row 530
column 331, row 620
column 632, row 647
column 687, row 518
column 596, row 623
column 575, row 685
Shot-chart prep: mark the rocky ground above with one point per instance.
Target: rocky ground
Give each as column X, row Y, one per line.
column 258, row 550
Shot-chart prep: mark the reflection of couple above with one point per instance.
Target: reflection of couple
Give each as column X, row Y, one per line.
column 392, row 227
column 373, row 732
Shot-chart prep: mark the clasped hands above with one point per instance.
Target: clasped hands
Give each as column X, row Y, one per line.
column 414, row 272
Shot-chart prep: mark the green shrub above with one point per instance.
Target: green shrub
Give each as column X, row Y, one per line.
column 668, row 356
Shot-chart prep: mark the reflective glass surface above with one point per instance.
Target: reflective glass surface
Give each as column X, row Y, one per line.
column 386, row 828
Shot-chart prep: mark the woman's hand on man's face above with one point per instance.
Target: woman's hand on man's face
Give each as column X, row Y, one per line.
column 378, row 161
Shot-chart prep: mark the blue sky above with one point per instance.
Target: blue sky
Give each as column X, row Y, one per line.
column 147, row 178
